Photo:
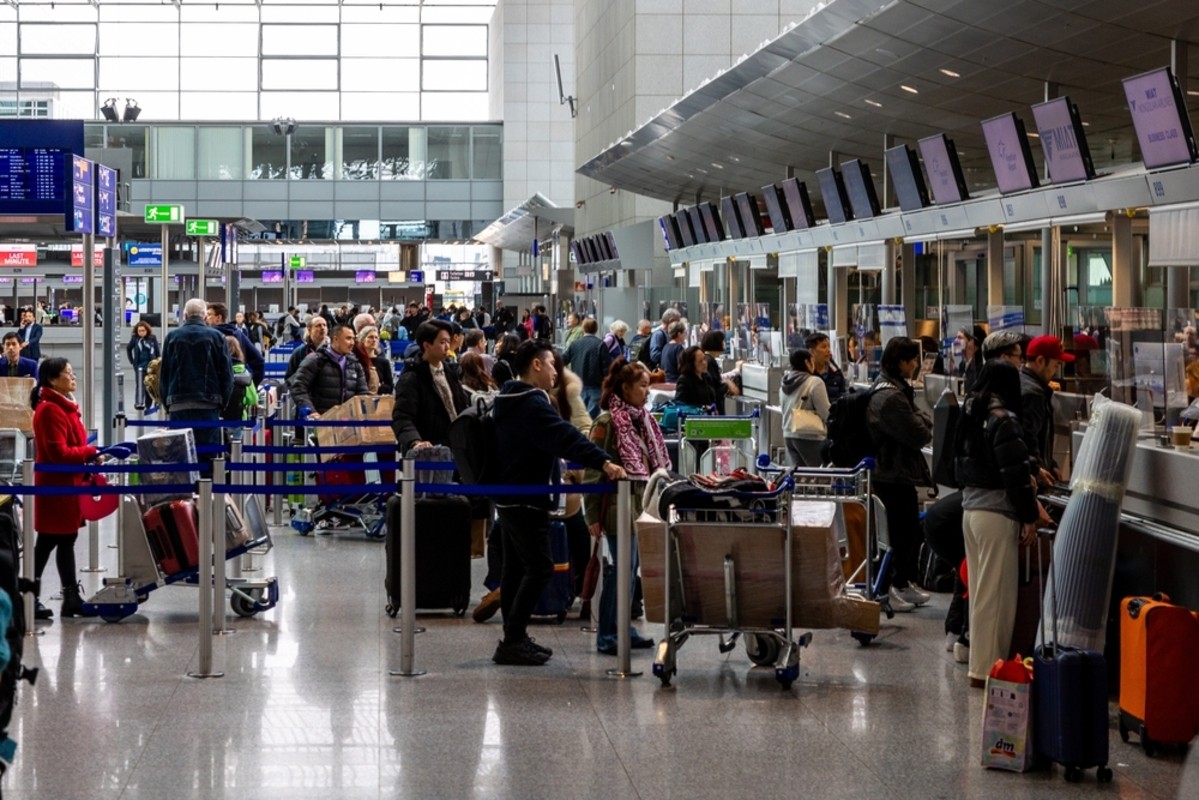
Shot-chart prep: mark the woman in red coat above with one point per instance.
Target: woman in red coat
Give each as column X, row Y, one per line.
column 59, row 438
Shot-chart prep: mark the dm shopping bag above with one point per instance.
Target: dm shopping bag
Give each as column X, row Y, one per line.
column 1007, row 719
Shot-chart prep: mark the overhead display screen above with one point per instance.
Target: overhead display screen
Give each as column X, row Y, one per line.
column 711, row 218
column 731, row 218
column 776, row 209
column 1063, row 141
column 907, row 178
column 832, row 189
column 33, row 180
column 747, row 205
column 1160, row 119
column 946, row 180
column 860, row 186
column 1011, row 157
column 670, row 235
column 799, row 204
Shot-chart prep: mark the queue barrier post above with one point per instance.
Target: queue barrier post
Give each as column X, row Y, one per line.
column 27, row 536
column 281, row 479
column 407, row 572
column 219, row 523
column 120, row 426
column 624, row 581
column 239, row 500
column 204, row 511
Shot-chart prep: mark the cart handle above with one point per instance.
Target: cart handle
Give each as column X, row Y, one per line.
column 865, row 465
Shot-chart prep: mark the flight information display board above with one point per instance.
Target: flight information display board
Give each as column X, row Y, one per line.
column 33, row 180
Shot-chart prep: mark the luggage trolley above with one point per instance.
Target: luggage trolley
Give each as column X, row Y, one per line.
column 732, row 444
column 768, row 642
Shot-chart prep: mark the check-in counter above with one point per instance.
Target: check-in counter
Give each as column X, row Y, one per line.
column 760, row 389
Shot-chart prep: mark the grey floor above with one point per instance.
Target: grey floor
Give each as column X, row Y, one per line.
column 307, row 710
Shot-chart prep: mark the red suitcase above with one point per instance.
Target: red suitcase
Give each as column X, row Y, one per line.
column 171, row 529
column 1159, row 656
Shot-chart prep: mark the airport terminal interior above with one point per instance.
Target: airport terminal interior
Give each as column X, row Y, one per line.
column 942, row 170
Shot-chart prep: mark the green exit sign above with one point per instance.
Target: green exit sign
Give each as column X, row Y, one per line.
column 297, row 262
column 164, row 214
column 201, row 227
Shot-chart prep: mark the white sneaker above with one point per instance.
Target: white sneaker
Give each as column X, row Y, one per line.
column 950, row 640
column 914, row 595
column 961, row 653
column 899, row 604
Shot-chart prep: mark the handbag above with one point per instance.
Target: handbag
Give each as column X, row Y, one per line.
column 591, row 574
column 805, row 421
column 96, row 507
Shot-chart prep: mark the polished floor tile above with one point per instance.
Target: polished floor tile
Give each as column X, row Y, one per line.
column 307, row 709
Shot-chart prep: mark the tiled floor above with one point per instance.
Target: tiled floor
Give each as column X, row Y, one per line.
column 307, row 710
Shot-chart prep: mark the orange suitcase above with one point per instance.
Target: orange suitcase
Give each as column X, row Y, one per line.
column 1159, row 662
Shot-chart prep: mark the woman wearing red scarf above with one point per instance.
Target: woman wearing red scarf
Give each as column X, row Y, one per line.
column 630, row 435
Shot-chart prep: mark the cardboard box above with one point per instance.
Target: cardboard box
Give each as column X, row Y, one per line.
column 819, row 598
column 14, row 404
column 357, row 409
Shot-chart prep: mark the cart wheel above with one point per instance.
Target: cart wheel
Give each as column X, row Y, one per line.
column 245, row 607
column 1149, row 746
column 111, row 617
column 392, row 610
column 664, row 674
column 763, row 651
column 1073, row 774
column 1123, row 731
column 1104, row 774
column 886, row 606
column 785, row 683
column 863, row 638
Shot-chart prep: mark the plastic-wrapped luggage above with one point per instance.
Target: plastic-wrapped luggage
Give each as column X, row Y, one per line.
column 165, row 447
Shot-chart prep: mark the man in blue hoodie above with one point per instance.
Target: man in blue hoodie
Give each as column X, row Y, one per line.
column 217, row 316
column 533, row 438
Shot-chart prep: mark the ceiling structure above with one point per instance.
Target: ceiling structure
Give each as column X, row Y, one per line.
column 855, row 72
column 534, row 219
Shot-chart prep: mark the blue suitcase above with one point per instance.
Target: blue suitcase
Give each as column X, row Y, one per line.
column 558, row 596
column 1070, row 703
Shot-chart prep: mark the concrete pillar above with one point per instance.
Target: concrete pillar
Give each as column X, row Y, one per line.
column 995, row 243
column 838, row 299
column 889, row 276
column 907, row 285
column 1178, row 279
column 1124, row 272
column 1049, row 285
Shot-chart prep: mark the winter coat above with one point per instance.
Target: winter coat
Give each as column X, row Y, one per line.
column 899, row 431
column 694, row 390
column 297, row 358
column 588, row 358
column 419, row 414
column 569, row 383
column 142, row 350
column 319, row 383
column 1036, row 419
column 250, row 355
column 61, row 439
column 196, row 370
column 803, row 390
column 995, row 457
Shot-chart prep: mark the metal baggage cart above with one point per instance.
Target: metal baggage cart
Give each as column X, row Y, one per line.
column 732, row 444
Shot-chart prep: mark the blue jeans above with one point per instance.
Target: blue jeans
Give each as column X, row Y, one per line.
column 591, row 398
column 606, row 637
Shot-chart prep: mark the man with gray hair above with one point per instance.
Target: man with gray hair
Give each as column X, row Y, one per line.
column 364, row 320
column 195, row 377
column 661, row 336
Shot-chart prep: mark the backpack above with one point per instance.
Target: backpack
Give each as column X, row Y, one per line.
column 933, row 572
column 849, row 438
column 946, row 415
column 12, row 624
column 150, row 381
column 473, row 443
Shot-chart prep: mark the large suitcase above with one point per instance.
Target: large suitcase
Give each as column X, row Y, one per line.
column 442, row 554
column 558, row 596
column 1159, row 654
column 171, row 532
column 1070, row 703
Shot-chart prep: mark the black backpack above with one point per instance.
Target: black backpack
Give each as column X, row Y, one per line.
column 933, row 572
column 946, row 414
column 849, row 439
column 473, row 443
column 11, row 586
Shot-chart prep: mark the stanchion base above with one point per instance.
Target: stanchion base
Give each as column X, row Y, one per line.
column 588, row 629
column 205, row 674
column 398, row 629
column 113, row 547
column 225, row 632
column 97, row 569
column 616, row 673
column 35, row 632
column 401, row 674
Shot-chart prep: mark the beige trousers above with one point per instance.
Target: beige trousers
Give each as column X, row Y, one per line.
column 993, row 562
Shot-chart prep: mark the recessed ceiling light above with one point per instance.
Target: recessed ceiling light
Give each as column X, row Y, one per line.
column 1034, row 135
column 874, row 103
column 1192, row 93
column 734, row 159
column 910, row 89
column 718, row 166
column 842, row 114
column 670, row 158
column 1086, row 124
column 949, row 73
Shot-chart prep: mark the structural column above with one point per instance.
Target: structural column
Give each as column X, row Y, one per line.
column 1178, row 279
column 1124, row 278
column 995, row 244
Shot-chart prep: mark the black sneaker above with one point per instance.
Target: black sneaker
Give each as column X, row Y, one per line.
column 539, row 648
column 521, row 654
column 41, row 612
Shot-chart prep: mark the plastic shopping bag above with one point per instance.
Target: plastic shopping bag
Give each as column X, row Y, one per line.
column 1007, row 720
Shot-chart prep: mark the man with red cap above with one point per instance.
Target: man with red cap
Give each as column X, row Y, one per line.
column 1042, row 359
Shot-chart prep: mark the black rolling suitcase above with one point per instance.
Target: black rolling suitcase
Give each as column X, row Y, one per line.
column 442, row 554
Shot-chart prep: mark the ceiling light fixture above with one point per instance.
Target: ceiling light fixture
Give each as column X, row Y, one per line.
column 842, row 114
column 910, row 89
column 1034, row 135
column 949, row 73
column 874, row 103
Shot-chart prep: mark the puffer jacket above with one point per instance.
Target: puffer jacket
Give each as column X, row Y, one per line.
column 1036, row 419
column 899, row 430
column 319, row 383
column 196, row 371
column 995, row 457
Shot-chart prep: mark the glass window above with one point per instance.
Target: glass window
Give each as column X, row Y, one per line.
column 392, row 74
column 449, row 75
column 299, row 40
column 403, row 153
column 488, row 153
column 449, row 153
column 93, row 136
column 268, row 154
column 141, row 38
column 218, row 105
column 8, row 71
column 130, row 137
column 299, row 73
column 119, row 76
column 380, row 106
column 300, row 105
column 220, row 155
column 64, row 73
column 309, row 154
column 379, row 40
column 237, row 39
column 219, row 74
column 359, row 154
column 58, row 40
column 455, row 106
column 454, row 40
column 174, row 153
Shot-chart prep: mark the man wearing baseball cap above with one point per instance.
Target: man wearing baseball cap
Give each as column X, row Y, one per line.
column 1041, row 361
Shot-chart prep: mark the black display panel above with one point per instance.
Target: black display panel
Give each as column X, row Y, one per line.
column 685, row 231
column 946, row 180
column 1064, row 141
column 904, row 169
column 697, row 225
column 610, row 240
column 575, row 252
column 593, row 252
column 836, row 201
column 751, row 221
column 1011, row 156
column 776, row 208
column 732, row 218
column 713, row 230
column 670, row 232
column 799, row 204
column 1159, row 115
column 34, row 180
column 860, row 186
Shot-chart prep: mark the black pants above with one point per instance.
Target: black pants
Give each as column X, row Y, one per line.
column 580, row 540
column 65, row 557
column 528, row 566
column 903, row 529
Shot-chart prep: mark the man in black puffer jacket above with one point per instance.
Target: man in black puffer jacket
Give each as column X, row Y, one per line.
column 330, row 376
column 428, row 395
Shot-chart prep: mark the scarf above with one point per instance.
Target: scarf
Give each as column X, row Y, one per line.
column 639, row 441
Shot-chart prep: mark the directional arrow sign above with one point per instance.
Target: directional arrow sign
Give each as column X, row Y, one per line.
column 200, row 227
column 297, row 262
column 164, row 214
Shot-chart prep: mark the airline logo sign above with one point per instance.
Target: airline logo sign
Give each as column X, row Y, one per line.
column 18, row 255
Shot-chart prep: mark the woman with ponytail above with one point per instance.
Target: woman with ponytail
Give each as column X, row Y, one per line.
column 61, row 439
